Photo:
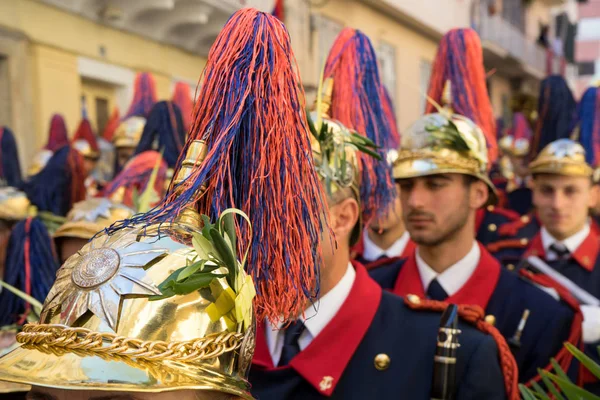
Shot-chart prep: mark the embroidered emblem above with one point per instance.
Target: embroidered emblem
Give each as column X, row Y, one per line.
column 326, row 383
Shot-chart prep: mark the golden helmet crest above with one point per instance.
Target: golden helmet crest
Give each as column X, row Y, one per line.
column 443, row 142
column 88, row 217
column 561, row 157
column 129, row 132
column 39, row 161
column 514, row 147
column 84, row 148
column 121, row 316
column 14, row 204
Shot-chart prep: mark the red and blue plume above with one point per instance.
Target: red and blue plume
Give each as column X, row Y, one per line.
column 85, row 132
column 459, row 59
column 135, row 176
column 30, row 266
column 279, row 10
column 144, row 95
column 111, row 125
column 183, row 98
column 10, row 167
column 520, row 128
column 358, row 101
column 251, row 114
column 59, row 185
column 164, row 128
column 57, row 135
column 557, row 113
column 589, row 125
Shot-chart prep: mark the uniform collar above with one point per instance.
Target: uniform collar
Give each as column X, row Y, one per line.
column 453, row 278
column 572, row 243
column 372, row 252
column 315, row 363
column 585, row 254
column 477, row 289
column 316, row 317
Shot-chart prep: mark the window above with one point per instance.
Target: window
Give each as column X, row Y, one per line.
column 587, row 68
column 327, row 30
column 425, row 74
column 387, row 68
column 102, row 113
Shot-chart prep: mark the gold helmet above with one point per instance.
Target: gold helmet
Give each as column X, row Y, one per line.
column 444, row 142
column 88, row 217
column 39, row 161
column 85, row 149
column 561, row 157
column 517, row 147
column 14, row 204
column 117, row 317
column 129, row 132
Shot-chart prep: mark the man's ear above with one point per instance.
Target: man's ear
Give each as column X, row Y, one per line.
column 344, row 216
column 478, row 194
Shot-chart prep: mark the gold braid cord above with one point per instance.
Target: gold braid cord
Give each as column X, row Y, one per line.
column 450, row 158
column 50, row 336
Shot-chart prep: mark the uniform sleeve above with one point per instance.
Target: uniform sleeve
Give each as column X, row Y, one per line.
column 483, row 378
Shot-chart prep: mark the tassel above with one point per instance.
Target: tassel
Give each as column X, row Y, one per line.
column 557, row 113
column 57, row 136
column 390, row 115
column 183, row 98
column 10, row 167
column 85, row 132
column 111, row 125
column 144, row 96
column 357, row 101
column 135, row 176
column 279, row 10
column 589, row 125
column 459, row 59
column 250, row 113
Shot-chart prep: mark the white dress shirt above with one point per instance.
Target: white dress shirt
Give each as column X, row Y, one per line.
column 315, row 317
column 453, row 278
column 571, row 243
column 372, row 252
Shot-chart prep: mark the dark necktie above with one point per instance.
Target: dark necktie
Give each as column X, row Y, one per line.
column 435, row 291
column 290, row 342
column 560, row 250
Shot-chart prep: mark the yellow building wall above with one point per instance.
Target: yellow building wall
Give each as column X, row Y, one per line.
column 58, row 38
column 411, row 48
column 56, row 88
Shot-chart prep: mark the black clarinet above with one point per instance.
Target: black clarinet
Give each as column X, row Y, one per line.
column 444, row 361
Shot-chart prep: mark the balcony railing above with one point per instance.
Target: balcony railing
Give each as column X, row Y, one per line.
column 494, row 29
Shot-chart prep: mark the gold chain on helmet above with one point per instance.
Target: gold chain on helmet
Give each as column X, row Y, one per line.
column 60, row 336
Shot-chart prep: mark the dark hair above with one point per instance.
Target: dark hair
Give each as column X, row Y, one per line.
column 468, row 180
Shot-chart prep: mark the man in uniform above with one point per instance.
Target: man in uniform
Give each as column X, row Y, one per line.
column 444, row 156
column 295, row 361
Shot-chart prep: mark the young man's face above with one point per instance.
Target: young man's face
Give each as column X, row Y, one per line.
column 89, row 164
column 392, row 219
column 436, row 207
column 562, row 202
column 68, row 246
column 124, row 154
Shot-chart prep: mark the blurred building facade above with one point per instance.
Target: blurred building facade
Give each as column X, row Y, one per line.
column 588, row 45
column 53, row 52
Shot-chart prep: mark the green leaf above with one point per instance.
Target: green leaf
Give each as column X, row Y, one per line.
column 558, row 369
column 195, row 282
column 572, row 391
column 548, row 383
column 526, row 392
column 170, row 279
column 203, row 246
column 226, row 255
column 190, row 269
column 206, row 226
column 35, row 304
column 166, row 293
column 587, row 362
column 541, row 393
column 228, row 224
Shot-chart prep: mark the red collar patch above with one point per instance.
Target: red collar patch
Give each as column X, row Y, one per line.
column 477, row 290
column 315, row 363
column 585, row 255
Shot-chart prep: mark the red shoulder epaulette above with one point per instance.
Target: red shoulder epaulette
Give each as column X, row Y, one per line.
column 474, row 315
column 510, row 214
column 507, row 244
column 564, row 358
column 511, row 228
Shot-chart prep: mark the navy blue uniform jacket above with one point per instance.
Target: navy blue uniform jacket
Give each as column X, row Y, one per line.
column 339, row 362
